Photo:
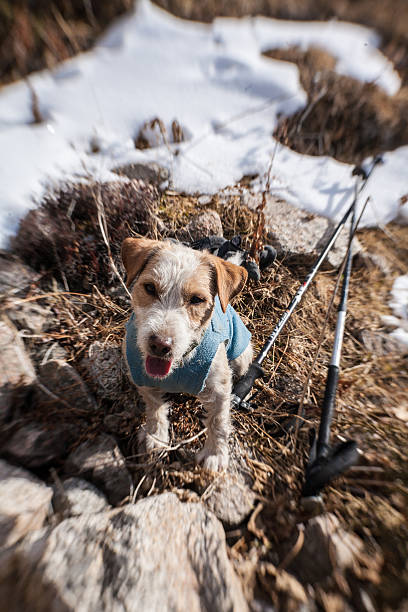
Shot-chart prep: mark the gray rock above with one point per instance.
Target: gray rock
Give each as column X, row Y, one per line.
column 160, row 554
column 150, row 173
column 205, row 224
column 16, row 370
column 228, row 495
column 297, row 233
column 203, row 200
column 48, row 352
column 329, row 545
column 15, row 277
column 29, row 316
column 104, row 364
column 75, row 496
column 101, row 462
column 24, row 503
column 65, row 384
column 33, row 446
column 380, row 343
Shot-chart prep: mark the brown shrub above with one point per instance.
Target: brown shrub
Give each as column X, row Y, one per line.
column 36, row 35
column 63, row 236
column 344, row 118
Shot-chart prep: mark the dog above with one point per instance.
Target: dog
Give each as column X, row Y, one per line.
column 183, row 336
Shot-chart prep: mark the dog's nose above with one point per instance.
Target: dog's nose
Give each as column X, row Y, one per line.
column 159, row 347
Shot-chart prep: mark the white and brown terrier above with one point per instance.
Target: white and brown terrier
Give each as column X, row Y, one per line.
column 183, row 336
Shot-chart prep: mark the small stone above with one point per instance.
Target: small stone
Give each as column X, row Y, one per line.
column 380, row 343
column 76, row 496
column 30, row 316
column 17, row 373
column 15, row 277
column 150, row 173
column 33, row 446
column 203, row 200
column 24, row 503
column 65, row 384
column 51, row 351
column 330, row 547
column 205, row 224
column 229, row 495
column 101, row 462
column 105, row 367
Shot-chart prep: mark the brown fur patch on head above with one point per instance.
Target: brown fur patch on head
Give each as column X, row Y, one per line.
column 230, row 279
column 199, row 287
column 135, row 254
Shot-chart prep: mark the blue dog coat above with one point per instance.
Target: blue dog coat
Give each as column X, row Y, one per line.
column 190, row 378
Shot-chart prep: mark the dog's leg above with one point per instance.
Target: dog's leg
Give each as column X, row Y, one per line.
column 241, row 364
column 156, row 431
column 216, row 398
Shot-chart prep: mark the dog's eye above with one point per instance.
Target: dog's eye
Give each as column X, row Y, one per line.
column 150, row 288
column 196, row 299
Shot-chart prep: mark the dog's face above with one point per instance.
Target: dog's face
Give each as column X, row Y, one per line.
column 173, row 298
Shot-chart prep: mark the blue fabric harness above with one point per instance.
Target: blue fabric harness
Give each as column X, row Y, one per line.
column 191, row 376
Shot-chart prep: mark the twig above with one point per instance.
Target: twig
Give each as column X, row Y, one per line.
column 104, row 232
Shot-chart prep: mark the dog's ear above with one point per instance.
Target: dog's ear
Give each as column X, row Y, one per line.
column 230, row 279
column 135, row 253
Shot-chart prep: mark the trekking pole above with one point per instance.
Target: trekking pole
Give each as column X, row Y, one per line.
column 244, row 385
column 325, row 463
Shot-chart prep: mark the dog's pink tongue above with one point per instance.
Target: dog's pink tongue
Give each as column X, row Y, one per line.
column 157, row 367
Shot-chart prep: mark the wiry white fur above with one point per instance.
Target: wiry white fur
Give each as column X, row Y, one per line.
column 167, row 319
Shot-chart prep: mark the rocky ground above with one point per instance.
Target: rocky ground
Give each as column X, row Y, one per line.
column 87, row 522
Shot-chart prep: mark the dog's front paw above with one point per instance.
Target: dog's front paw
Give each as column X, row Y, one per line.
column 213, row 461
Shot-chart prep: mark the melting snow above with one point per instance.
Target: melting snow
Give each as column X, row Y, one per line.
column 215, row 82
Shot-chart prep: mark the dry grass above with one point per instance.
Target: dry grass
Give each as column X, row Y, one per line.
column 37, row 35
column 370, row 499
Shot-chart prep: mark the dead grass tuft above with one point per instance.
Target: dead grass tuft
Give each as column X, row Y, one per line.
column 37, row 35
column 64, row 236
column 344, row 118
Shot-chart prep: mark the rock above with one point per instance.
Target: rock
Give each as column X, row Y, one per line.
column 297, row 233
column 101, row 462
column 48, row 352
column 160, row 554
column 30, row 316
column 24, row 503
column 16, row 370
column 33, row 446
column 205, row 224
column 104, row 364
column 203, row 200
column 65, row 385
column 380, row 343
column 75, row 496
column 15, row 277
column 229, row 495
column 330, row 547
column 150, row 173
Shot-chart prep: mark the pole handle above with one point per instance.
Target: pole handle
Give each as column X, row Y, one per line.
column 244, row 385
column 323, row 439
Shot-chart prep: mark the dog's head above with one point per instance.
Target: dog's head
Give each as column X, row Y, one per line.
column 173, row 298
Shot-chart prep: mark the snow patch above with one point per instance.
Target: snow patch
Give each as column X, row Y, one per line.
column 215, row 82
column 399, row 306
